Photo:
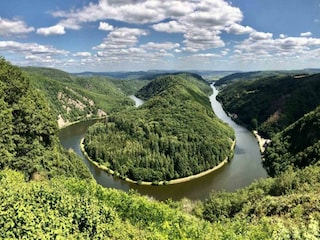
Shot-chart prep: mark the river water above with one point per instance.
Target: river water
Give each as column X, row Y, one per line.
column 243, row 169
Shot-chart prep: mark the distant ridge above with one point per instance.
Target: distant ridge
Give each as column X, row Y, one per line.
column 254, row 75
column 145, row 75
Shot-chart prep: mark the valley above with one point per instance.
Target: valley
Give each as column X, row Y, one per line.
column 41, row 180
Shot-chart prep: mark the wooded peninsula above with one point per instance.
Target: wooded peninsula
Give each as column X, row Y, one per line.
column 173, row 135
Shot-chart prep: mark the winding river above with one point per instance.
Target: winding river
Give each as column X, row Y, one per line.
column 243, row 169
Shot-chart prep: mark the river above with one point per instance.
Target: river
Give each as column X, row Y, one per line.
column 243, row 169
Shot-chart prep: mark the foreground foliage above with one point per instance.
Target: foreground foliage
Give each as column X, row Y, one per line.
column 68, row 208
column 163, row 139
column 281, row 208
column 289, row 202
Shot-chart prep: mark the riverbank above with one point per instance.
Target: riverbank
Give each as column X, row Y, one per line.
column 170, row 182
column 263, row 142
column 68, row 124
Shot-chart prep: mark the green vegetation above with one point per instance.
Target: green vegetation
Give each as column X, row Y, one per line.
column 286, row 207
column 76, row 98
column 282, row 208
column 163, row 139
column 271, row 104
column 28, row 131
column 46, row 193
column 280, row 108
column 66, row 208
column 251, row 76
column 247, row 76
column 297, row 146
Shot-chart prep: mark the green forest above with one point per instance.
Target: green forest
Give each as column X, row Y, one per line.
column 48, row 193
column 283, row 108
column 163, row 139
column 29, row 141
column 297, row 146
column 270, row 104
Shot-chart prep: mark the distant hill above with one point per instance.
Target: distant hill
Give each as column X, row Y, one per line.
column 245, row 76
column 271, row 104
column 163, row 139
column 297, row 146
column 145, row 75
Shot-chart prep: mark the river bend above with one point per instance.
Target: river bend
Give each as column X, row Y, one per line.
column 243, row 169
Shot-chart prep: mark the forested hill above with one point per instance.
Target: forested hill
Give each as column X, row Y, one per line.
column 271, row 104
column 240, row 76
column 28, row 130
column 159, row 84
column 77, row 97
column 297, row 146
column 245, row 76
column 174, row 134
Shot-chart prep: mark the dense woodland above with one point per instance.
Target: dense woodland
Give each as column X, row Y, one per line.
column 297, row 146
column 271, row 104
column 28, row 130
column 46, row 193
column 285, row 109
column 163, row 139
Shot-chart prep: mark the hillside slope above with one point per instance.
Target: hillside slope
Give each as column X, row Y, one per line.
column 78, row 98
column 173, row 135
column 297, row 146
column 251, row 76
column 271, row 104
column 28, row 130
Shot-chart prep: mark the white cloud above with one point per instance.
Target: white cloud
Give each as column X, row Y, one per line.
column 53, row 30
column 210, row 13
column 13, row 27
column 276, row 52
column 30, row 48
column 159, row 46
column 306, row 34
column 105, row 26
column 256, row 36
column 191, row 18
column 239, row 29
column 170, row 27
column 206, row 55
column 177, row 8
column 225, row 52
column 202, row 39
column 82, row 54
column 121, row 38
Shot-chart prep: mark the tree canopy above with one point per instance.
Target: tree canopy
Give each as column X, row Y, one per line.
column 174, row 134
column 297, row 146
column 28, row 130
column 273, row 103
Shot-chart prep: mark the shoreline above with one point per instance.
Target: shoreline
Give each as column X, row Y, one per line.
column 262, row 142
column 170, row 182
column 78, row 121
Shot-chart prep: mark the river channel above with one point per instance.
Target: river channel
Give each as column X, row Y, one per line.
column 243, row 169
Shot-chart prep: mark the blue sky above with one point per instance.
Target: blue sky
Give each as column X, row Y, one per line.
column 126, row 35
